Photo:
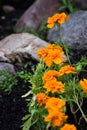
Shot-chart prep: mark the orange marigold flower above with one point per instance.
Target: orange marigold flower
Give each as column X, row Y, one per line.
column 53, row 47
column 53, row 58
column 56, row 118
column 67, row 70
column 50, row 25
column 51, row 53
column 56, row 115
column 68, row 127
column 54, row 86
column 84, row 85
column 42, row 53
column 49, row 75
column 54, row 104
column 57, row 18
column 41, row 99
column 62, row 18
column 50, row 22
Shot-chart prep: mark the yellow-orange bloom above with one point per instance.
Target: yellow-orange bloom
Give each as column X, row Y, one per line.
column 68, row 127
column 51, row 53
column 54, row 86
column 54, row 104
column 67, row 70
column 57, row 18
column 50, row 22
column 41, row 99
column 84, row 85
column 56, row 118
column 42, row 53
column 62, row 18
column 56, row 115
column 49, row 75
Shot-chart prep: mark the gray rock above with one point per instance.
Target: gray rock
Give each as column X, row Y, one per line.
column 8, row 8
column 16, row 47
column 73, row 31
column 6, row 67
column 37, row 13
column 40, row 11
column 10, row 67
column 81, row 4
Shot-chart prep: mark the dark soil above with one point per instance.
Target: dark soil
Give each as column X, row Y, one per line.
column 12, row 109
column 12, row 106
column 8, row 20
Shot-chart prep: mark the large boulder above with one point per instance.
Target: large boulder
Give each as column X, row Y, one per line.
column 40, row 11
column 35, row 14
column 73, row 31
column 81, row 4
column 17, row 47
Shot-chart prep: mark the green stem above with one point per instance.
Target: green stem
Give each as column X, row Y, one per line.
column 83, row 115
column 67, row 56
column 76, row 100
column 58, row 26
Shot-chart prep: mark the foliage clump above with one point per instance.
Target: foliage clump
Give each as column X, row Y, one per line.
column 54, row 83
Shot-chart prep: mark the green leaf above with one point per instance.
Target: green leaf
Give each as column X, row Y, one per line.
column 27, row 124
column 62, row 8
column 63, row 2
column 78, row 67
column 27, row 94
column 70, row 6
column 26, row 117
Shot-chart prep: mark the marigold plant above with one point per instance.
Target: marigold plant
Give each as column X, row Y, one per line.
column 55, row 86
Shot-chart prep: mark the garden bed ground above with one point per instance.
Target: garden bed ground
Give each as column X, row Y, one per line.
column 12, row 109
column 12, row 106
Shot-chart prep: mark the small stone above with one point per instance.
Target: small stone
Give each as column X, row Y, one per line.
column 8, row 8
column 10, row 67
column 3, row 17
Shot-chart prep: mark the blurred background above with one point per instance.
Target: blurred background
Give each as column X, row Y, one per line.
column 10, row 12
